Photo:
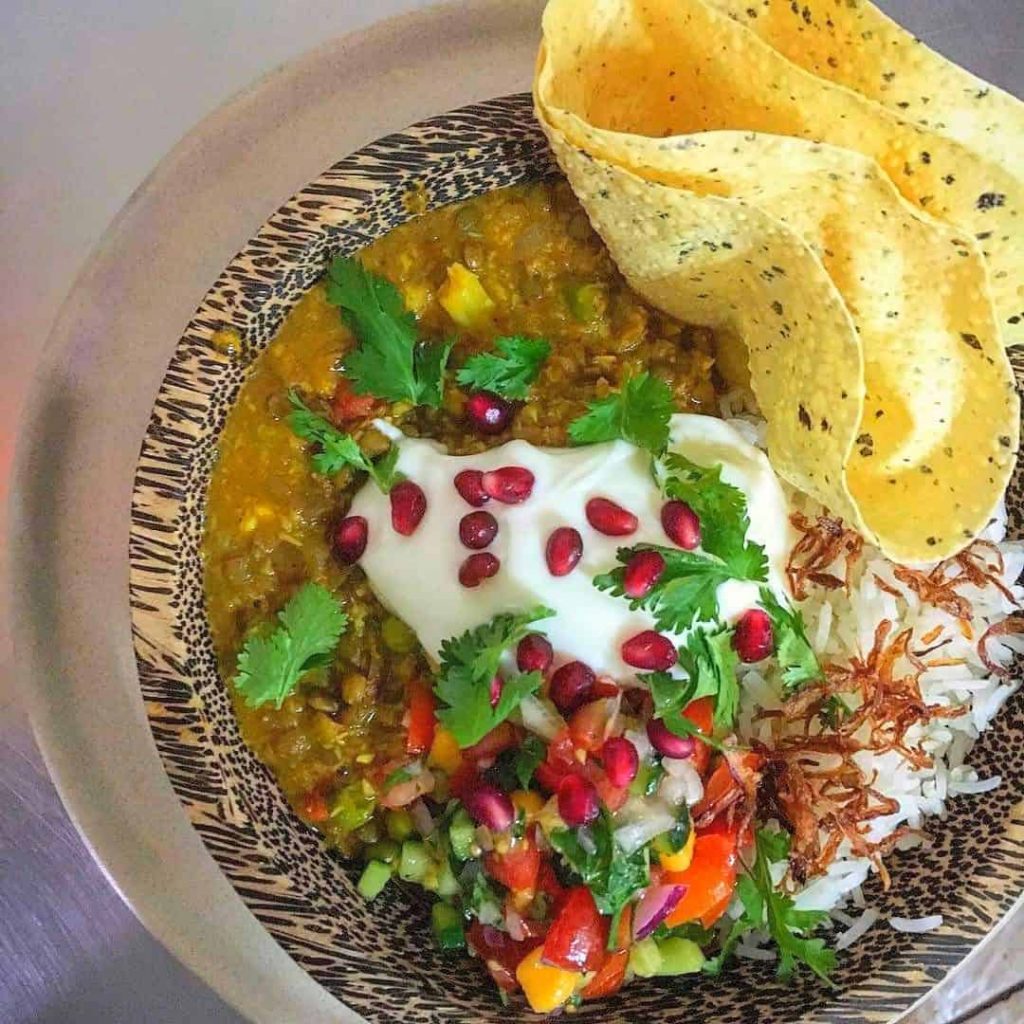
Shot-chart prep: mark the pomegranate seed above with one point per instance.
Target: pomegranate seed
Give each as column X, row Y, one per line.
column 350, row 539
column 477, row 529
column 666, row 742
column 511, row 485
column 408, row 506
column 621, row 760
column 564, row 550
column 488, row 413
column 497, row 685
column 534, row 653
column 477, row 568
column 650, row 651
column 680, row 524
column 571, row 686
column 754, row 639
column 470, row 485
column 488, row 805
column 643, row 570
column 578, row 804
column 610, row 519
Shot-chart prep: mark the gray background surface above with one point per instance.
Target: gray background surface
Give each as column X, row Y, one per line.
column 93, row 94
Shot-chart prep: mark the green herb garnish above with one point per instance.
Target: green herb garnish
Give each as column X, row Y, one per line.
column 639, row 413
column 765, row 908
column 390, row 361
column 528, row 757
column 338, row 450
column 834, row 711
column 271, row 665
column 510, row 370
column 469, row 663
column 792, row 648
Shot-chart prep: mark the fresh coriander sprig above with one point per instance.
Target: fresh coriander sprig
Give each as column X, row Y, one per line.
column 639, row 413
column 468, row 665
column 765, row 908
column 390, row 361
column 510, row 370
column 271, row 665
column 339, row 450
column 792, row 648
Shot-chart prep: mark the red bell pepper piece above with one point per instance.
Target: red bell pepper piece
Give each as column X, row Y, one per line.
column 422, row 718
column 578, row 936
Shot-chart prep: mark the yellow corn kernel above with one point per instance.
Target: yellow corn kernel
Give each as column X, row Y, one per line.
column 444, row 752
column 528, row 802
column 464, row 298
column 678, row 861
column 546, row 988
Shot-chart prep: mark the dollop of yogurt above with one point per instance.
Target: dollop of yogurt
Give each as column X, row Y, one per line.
column 416, row 577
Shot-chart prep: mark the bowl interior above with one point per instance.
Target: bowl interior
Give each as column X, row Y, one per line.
column 379, row 958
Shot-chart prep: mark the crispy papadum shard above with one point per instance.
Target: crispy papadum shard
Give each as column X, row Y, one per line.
column 874, row 354
column 660, row 68
column 855, row 44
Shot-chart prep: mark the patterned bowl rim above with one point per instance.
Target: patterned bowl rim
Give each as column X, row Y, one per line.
column 253, row 294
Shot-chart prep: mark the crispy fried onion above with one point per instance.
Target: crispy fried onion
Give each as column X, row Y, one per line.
column 1011, row 624
column 812, row 781
column 823, row 541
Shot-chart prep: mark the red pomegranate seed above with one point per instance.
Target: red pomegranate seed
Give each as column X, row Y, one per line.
column 408, row 506
column 650, row 651
column 488, row 413
column 610, row 519
column 534, row 653
column 564, row 550
column 477, row 568
column 350, row 539
column 470, row 485
column 643, row 570
column 477, row 529
column 620, row 759
column 666, row 742
column 754, row 638
column 511, row 485
column 578, row 803
column 571, row 686
column 488, row 805
column 497, row 685
column 680, row 524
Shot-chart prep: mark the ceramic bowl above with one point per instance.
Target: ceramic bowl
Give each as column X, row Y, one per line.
column 378, row 959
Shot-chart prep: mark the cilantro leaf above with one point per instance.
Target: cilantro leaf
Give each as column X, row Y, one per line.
column 510, row 371
column 270, row 666
column 792, row 648
column 685, row 592
column 468, row 664
column 833, row 711
column 390, row 361
column 722, row 511
column 339, row 450
column 711, row 662
column 527, row 758
column 639, row 413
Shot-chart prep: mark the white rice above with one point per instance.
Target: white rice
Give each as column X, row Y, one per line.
column 916, row 925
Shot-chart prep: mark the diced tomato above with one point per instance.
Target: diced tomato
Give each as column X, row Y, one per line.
column 613, row 797
column 605, row 687
column 577, row 938
column 587, row 726
column 701, row 713
column 462, row 780
column 709, row 880
column 500, row 953
column 347, row 406
column 548, row 883
column 422, row 718
column 501, row 738
column 559, row 761
column 517, row 868
column 612, row 971
column 314, row 804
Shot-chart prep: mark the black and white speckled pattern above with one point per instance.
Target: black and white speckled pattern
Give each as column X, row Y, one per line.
column 380, row 960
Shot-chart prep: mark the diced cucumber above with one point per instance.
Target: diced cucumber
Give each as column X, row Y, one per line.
column 645, row 959
column 447, row 924
column 414, row 861
column 679, row 956
column 352, row 807
column 447, row 883
column 386, row 850
column 375, row 876
column 399, row 825
column 397, row 636
column 461, row 833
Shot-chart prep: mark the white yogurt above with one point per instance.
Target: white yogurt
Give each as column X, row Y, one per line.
column 417, row 577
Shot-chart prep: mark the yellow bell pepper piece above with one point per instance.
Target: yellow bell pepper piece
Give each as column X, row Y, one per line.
column 678, row 861
column 527, row 801
column 546, row 988
column 444, row 752
column 464, row 298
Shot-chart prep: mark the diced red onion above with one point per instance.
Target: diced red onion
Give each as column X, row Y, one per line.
column 656, row 904
column 541, row 717
column 421, row 818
